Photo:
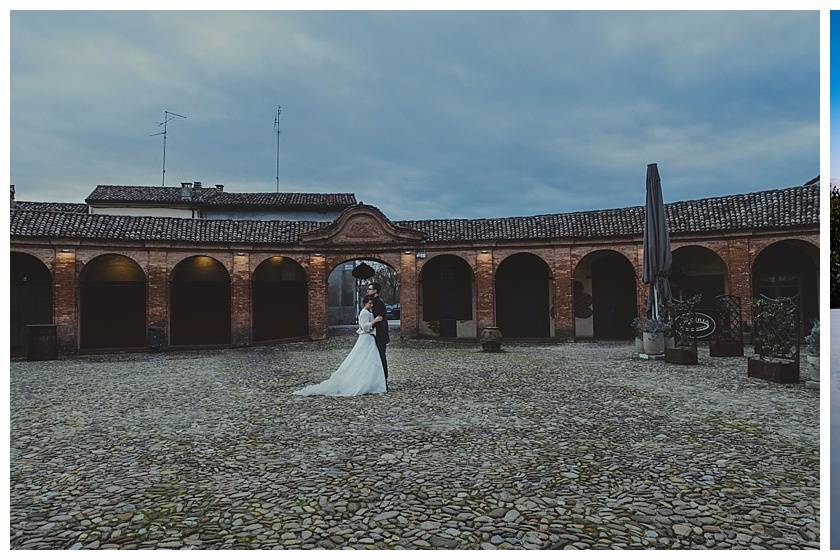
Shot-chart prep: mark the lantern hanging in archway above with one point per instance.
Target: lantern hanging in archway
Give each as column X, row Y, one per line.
column 363, row 272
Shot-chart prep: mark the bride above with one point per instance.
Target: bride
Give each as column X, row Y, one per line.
column 361, row 371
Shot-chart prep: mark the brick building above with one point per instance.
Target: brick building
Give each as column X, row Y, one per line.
column 105, row 278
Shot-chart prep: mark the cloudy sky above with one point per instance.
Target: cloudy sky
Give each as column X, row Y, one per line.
column 425, row 115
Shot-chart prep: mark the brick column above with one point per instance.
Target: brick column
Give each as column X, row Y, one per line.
column 740, row 276
column 485, row 291
column 409, row 313
column 317, row 297
column 240, row 304
column 564, row 319
column 642, row 289
column 64, row 296
column 157, row 294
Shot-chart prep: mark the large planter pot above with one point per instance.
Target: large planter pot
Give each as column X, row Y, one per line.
column 640, row 345
column 778, row 371
column 491, row 339
column 654, row 343
column 683, row 356
column 725, row 348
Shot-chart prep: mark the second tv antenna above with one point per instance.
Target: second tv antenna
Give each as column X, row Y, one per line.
column 277, row 130
column 167, row 116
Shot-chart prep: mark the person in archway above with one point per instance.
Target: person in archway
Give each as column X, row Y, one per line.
column 361, row 371
column 382, row 336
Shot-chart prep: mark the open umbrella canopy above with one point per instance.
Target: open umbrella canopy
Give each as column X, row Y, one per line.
column 657, row 245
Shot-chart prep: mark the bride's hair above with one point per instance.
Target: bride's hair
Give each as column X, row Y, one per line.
column 366, row 299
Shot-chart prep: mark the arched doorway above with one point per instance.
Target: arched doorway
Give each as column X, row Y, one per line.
column 788, row 268
column 200, row 302
column 604, row 296
column 31, row 301
column 279, row 300
column 345, row 293
column 700, row 271
column 523, row 293
column 112, row 303
column 447, row 306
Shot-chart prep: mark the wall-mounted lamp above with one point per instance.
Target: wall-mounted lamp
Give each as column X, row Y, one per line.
column 406, row 252
column 65, row 250
column 485, row 252
column 240, row 254
column 317, row 255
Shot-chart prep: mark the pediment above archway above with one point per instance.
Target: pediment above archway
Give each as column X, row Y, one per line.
column 362, row 225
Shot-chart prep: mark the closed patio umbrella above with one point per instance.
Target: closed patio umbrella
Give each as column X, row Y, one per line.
column 657, row 245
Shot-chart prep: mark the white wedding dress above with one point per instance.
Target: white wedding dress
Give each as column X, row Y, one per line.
column 361, row 371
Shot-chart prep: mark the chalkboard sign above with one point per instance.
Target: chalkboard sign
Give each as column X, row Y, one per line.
column 701, row 324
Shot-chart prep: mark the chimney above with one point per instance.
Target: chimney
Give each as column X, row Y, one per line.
column 13, row 192
column 186, row 191
column 220, row 188
column 197, row 184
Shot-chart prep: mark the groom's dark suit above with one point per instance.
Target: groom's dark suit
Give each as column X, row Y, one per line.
column 382, row 336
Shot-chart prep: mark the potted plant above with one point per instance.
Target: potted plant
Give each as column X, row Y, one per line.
column 491, row 339
column 776, row 338
column 683, row 350
column 812, row 356
column 653, row 336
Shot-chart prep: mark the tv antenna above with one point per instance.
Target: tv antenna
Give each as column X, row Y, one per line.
column 277, row 130
column 167, row 116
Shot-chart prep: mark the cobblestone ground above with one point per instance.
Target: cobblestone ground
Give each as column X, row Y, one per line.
column 575, row 445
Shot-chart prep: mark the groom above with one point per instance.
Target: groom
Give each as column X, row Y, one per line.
column 382, row 337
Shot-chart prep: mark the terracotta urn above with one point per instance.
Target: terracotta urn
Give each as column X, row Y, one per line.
column 491, row 339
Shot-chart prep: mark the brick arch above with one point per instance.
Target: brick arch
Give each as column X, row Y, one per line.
column 201, row 311
column 707, row 247
column 610, row 319
column 628, row 253
column 522, row 308
column 277, row 307
column 31, row 301
column 85, row 263
column 807, row 272
column 48, row 264
column 544, row 256
column 759, row 245
column 112, row 305
column 430, row 259
column 255, row 263
column 333, row 261
column 222, row 262
column 86, row 256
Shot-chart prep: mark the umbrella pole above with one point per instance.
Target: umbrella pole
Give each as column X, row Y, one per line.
column 655, row 303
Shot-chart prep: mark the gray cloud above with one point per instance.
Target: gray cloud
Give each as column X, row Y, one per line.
column 423, row 114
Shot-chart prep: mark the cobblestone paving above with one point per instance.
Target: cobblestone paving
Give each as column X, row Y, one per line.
column 575, row 445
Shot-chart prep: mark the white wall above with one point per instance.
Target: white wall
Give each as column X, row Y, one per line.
column 142, row 211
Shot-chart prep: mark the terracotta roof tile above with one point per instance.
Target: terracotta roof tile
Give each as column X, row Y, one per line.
column 776, row 209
